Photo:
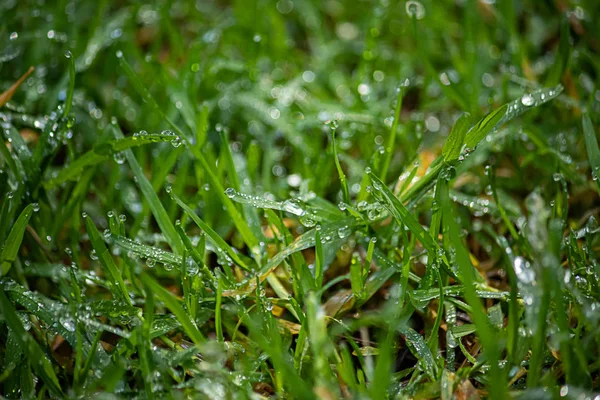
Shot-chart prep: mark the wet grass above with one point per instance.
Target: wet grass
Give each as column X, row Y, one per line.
column 300, row 200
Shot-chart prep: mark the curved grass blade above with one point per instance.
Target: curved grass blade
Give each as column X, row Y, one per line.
column 14, row 239
column 454, row 143
column 509, row 111
column 486, row 125
column 115, row 146
column 102, row 152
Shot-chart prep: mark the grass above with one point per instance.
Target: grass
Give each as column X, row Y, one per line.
column 300, row 199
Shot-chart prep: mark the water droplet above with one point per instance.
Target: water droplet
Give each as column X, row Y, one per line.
column 523, row 271
column 294, row 206
column 68, row 54
column 230, row 192
column 527, row 100
column 119, row 54
column 415, row 9
column 119, row 157
column 107, row 234
column 307, row 221
column 36, row 207
column 191, row 267
column 344, row 232
column 14, row 36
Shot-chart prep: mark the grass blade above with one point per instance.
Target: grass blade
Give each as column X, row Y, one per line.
column 591, row 144
column 172, row 303
column 454, row 143
column 158, row 210
column 14, row 239
column 42, row 364
column 106, row 259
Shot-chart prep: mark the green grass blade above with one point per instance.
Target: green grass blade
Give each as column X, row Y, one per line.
column 106, row 259
column 14, row 239
column 214, row 237
column 172, row 303
column 158, row 210
column 149, row 252
column 484, row 330
column 390, row 146
column 71, row 89
column 454, row 143
column 591, row 144
column 402, row 215
column 42, row 364
column 343, row 180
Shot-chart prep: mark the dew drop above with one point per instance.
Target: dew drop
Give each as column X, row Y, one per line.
column 527, row 100
column 230, row 192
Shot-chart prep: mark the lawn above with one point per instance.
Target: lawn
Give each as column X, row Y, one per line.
column 300, row 199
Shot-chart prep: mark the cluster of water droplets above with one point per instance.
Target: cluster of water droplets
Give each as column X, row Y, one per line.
column 528, row 100
column 307, row 215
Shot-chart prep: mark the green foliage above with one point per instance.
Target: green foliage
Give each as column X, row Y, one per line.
column 335, row 200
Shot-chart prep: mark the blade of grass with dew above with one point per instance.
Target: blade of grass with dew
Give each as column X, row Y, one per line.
column 107, row 261
column 419, row 348
column 43, row 365
column 342, row 176
column 390, row 146
column 144, row 344
column 172, row 303
column 145, row 251
column 404, row 217
column 19, row 146
column 102, row 152
column 212, row 235
column 485, row 331
column 158, row 210
column 71, row 88
column 14, row 239
column 453, row 146
column 239, row 222
column 159, row 177
column 591, row 144
column 479, row 131
column 303, row 242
